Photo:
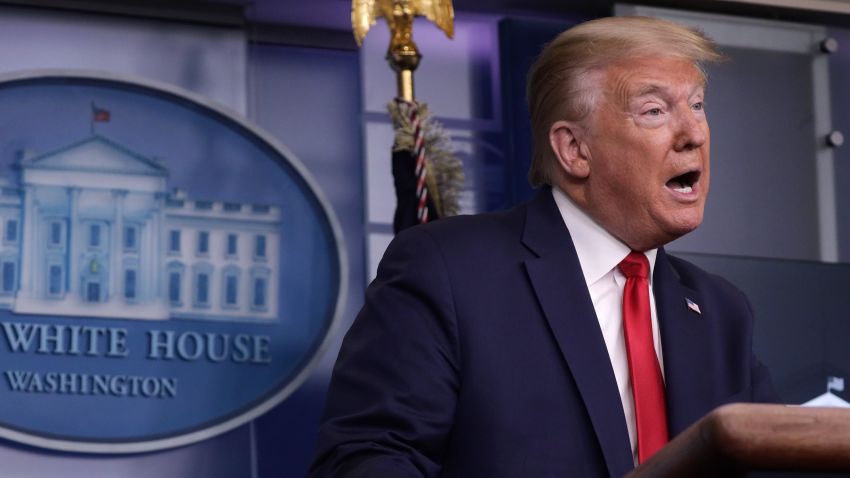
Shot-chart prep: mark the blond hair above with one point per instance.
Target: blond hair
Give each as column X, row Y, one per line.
column 560, row 86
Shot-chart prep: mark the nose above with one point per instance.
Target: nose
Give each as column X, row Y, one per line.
column 691, row 130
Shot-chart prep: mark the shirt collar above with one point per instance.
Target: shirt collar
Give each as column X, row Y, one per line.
column 598, row 251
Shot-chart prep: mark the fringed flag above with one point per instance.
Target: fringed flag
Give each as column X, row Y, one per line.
column 426, row 174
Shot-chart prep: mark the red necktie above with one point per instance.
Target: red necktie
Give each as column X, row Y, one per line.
column 647, row 384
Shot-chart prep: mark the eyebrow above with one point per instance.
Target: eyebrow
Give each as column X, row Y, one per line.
column 653, row 89
column 648, row 89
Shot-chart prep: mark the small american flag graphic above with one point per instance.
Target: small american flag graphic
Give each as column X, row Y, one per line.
column 693, row 306
column 835, row 383
column 99, row 115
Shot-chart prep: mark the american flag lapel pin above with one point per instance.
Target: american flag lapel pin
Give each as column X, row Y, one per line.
column 693, row 306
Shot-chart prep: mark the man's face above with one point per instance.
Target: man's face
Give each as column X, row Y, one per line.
column 647, row 143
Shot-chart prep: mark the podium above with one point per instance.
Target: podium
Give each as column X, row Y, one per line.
column 736, row 439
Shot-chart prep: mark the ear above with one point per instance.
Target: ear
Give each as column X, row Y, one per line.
column 572, row 154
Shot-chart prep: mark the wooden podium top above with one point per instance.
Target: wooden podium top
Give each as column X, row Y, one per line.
column 737, row 438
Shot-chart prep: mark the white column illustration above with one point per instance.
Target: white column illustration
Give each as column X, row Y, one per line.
column 148, row 256
column 73, row 233
column 28, row 251
column 156, row 258
column 116, row 273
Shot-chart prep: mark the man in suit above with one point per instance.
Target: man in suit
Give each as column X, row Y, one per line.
column 557, row 338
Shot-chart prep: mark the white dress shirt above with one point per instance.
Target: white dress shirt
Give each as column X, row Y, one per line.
column 599, row 253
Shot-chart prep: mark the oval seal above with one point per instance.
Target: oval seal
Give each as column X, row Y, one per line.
column 168, row 271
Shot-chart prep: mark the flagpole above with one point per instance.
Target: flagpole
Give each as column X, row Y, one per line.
column 409, row 116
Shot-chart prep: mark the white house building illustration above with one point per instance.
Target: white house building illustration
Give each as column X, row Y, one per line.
column 90, row 230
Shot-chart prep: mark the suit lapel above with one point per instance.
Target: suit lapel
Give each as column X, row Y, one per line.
column 560, row 288
column 687, row 353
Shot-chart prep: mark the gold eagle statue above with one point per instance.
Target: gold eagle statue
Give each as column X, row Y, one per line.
column 402, row 54
column 399, row 15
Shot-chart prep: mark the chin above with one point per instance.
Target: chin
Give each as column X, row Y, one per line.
column 681, row 228
column 682, row 224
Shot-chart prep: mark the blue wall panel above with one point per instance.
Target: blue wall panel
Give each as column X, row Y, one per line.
column 839, row 69
column 520, row 41
column 310, row 100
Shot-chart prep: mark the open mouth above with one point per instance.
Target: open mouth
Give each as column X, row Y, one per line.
column 684, row 183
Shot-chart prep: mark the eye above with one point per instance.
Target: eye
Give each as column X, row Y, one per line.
column 653, row 112
column 698, row 106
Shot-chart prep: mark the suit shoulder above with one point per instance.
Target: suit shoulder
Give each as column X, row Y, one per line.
column 473, row 230
column 464, row 245
column 697, row 278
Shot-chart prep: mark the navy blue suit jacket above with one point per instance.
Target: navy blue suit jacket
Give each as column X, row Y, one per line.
column 478, row 354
